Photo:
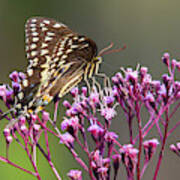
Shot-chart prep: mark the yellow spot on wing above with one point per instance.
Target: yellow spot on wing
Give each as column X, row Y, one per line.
column 47, row 98
column 30, row 111
column 40, row 108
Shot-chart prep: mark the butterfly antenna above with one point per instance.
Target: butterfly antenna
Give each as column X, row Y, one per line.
column 108, row 50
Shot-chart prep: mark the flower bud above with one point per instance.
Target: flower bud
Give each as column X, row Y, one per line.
column 96, row 131
column 150, row 148
column 14, row 76
column 66, row 104
column 116, row 162
column 166, row 58
column 75, row 174
column 74, row 92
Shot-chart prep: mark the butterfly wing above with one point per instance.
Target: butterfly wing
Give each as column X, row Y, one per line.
column 41, row 39
column 57, row 59
column 77, row 52
column 68, row 71
column 42, row 35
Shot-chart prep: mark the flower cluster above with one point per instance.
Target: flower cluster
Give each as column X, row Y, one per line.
column 131, row 91
column 88, row 123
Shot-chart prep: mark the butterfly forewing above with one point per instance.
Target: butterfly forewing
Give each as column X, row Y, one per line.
column 57, row 59
column 42, row 36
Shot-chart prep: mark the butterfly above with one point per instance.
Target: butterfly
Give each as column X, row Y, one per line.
column 58, row 59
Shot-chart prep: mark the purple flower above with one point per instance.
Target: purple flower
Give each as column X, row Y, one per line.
column 74, row 92
column 22, row 120
column 34, row 117
column 24, row 129
column 149, row 97
column 84, row 91
column 65, row 124
column 6, row 132
column 96, row 131
column 75, row 174
column 36, row 127
column 67, row 104
column 103, row 171
column 9, row 139
column 129, row 158
column 45, row 116
column 96, row 157
column 110, row 137
column 178, row 65
column 71, row 125
column 3, row 91
column 150, row 148
column 16, row 87
column 115, row 80
column 94, row 98
column 143, row 71
column 108, row 113
column 116, row 162
column 22, row 75
column 14, row 76
column 109, row 100
column 162, row 91
column 131, row 75
column 74, row 110
column 166, row 58
column 7, row 135
column 175, row 148
column 9, row 96
column 67, row 138
column 178, row 146
column 174, row 63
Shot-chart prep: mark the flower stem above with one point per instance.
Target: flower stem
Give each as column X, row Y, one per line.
column 163, row 146
column 15, row 165
column 140, row 140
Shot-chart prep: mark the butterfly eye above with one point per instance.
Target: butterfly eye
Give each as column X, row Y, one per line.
column 97, row 59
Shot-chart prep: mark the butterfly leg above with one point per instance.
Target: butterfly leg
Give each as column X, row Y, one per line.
column 107, row 83
column 95, row 83
column 55, row 111
column 87, row 83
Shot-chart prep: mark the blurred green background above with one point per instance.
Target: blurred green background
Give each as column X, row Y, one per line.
column 148, row 28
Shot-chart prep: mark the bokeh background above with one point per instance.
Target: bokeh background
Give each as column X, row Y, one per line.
column 148, row 28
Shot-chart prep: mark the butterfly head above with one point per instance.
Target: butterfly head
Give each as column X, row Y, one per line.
column 97, row 59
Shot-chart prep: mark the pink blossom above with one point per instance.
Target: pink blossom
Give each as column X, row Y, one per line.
column 75, row 174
